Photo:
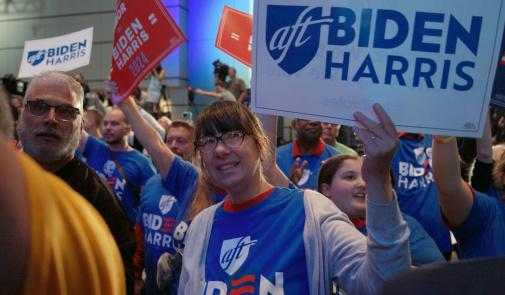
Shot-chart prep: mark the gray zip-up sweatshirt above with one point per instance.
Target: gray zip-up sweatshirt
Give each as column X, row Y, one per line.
column 334, row 248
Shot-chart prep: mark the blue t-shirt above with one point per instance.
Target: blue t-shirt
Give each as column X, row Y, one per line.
column 482, row 234
column 259, row 248
column 285, row 160
column 423, row 249
column 416, row 191
column 163, row 214
column 137, row 167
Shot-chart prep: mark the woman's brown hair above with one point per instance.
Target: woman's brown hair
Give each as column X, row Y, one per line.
column 218, row 118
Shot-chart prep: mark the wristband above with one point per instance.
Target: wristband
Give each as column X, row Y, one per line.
column 442, row 140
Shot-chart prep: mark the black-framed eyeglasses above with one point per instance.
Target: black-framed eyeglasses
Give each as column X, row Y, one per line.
column 231, row 139
column 40, row 108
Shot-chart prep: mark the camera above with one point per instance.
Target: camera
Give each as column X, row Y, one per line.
column 187, row 116
column 220, row 70
column 14, row 86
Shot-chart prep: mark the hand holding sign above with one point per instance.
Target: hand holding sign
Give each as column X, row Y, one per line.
column 380, row 143
column 144, row 35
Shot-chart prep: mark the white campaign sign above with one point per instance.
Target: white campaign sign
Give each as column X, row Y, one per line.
column 62, row 53
column 430, row 63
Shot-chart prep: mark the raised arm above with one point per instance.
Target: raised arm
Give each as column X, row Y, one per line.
column 161, row 155
column 362, row 264
column 485, row 144
column 380, row 143
column 208, row 93
column 482, row 176
column 455, row 195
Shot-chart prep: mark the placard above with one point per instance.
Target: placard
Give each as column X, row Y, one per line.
column 144, row 35
column 62, row 53
column 430, row 63
column 498, row 97
column 234, row 35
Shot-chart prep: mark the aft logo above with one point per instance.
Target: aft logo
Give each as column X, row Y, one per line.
column 166, row 204
column 108, row 168
column 36, row 57
column 293, row 34
column 234, row 252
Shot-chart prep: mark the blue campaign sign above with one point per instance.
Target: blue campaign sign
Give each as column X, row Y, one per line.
column 498, row 97
column 430, row 63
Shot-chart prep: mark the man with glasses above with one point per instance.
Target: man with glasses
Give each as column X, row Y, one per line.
column 49, row 129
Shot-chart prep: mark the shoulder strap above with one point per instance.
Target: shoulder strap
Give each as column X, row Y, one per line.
column 135, row 191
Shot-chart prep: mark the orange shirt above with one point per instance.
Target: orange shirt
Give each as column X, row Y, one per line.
column 71, row 248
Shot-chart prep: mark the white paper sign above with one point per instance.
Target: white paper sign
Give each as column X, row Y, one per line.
column 62, row 53
column 430, row 63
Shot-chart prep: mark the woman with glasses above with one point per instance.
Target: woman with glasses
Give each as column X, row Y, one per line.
column 164, row 205
column 263, row 238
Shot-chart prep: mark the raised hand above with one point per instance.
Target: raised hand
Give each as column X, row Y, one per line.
column 296, row 171
column 380, row 142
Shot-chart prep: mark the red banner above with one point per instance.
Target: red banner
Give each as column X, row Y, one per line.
column 144, row 35
column 235, row 34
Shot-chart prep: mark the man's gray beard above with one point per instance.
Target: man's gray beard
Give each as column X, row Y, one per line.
column 54, row 155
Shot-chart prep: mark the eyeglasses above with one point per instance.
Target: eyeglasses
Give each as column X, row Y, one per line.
column 177, row 140
column 231, row 139
column 40, row 108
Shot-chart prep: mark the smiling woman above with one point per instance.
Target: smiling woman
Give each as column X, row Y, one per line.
column 290, row 241
column 340, row 179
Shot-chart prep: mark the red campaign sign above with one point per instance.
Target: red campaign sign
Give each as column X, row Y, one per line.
column 144, row 35
column 235, row 34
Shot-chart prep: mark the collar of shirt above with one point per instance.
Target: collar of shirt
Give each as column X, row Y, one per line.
column 228, row 206
column 296, row 152
column 410, row 135
column 358, row 222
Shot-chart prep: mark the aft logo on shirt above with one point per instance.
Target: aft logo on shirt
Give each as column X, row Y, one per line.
column 108, row 168
column 166, row 204
column 234, row 252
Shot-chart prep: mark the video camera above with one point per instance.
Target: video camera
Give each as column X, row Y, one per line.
column 220, row 69
column 14, row 86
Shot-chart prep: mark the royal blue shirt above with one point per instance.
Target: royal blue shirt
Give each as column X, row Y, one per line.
column 482, row 234
column 423, row 249
column 414, row 186
column 163, row 214
column 287, row 154
column 259, row 248
column 137, row 167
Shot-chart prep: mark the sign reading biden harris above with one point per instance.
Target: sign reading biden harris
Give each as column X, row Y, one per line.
column 430, row 63
column 143, row 36
column 62, row 53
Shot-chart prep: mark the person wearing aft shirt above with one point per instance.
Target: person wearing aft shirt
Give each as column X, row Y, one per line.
column 340, row 180
column 271, row 239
